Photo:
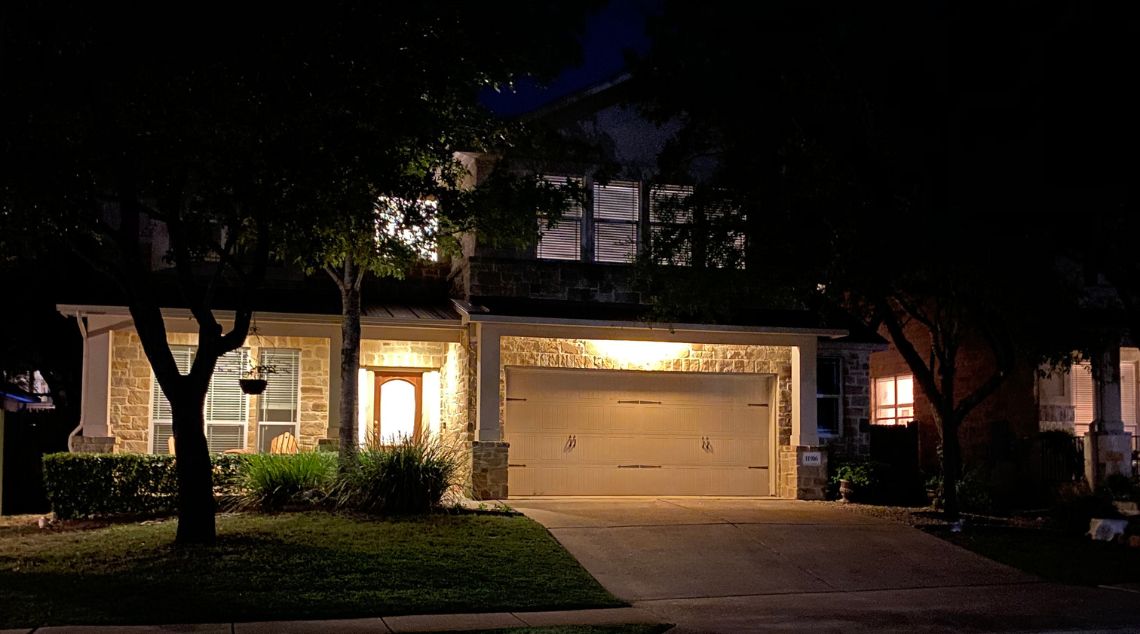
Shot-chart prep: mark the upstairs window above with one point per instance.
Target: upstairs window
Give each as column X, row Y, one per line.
column 1083, row 392
column 670, row 224
column 561, row 240
column 617, row 208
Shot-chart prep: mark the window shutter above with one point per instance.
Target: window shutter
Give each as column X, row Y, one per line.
column 617, row 207
column 161, row 414
column 561, row 240
column 219, row 438
column 1128, row 396
column 279, row 402
column 1081, row 375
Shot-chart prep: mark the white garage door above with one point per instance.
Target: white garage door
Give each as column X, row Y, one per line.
column 602, row 432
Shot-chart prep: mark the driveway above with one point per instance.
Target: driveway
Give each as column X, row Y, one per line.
column 733, row 565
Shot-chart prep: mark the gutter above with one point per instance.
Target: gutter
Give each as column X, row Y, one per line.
column 279, row 318
column 477, row 314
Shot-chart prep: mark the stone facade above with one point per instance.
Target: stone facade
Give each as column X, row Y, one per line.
column 129, row 400
column 402, row 354
column 93, row 444
column 489, row 470
column 854, row 442
column 799, row 481
column 552, row 280
column 1057, row 417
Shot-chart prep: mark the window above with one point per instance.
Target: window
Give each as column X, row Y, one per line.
column 617, row 207
column 279, row 407
column 894, row 400
column 1083, row 395
column 398, row 406
column 670, row 224
column 561, row 240
column 226, row 407
column 829, row 396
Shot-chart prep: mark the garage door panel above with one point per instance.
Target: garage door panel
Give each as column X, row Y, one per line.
column 592, row 432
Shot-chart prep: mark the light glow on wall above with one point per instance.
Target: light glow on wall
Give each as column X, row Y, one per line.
column 640, row 353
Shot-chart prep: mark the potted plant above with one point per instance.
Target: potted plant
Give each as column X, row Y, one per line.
column 854, row 481
column 256, row 378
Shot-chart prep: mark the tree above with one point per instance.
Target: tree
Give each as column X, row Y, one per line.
column 214, row 130
column 865, row 161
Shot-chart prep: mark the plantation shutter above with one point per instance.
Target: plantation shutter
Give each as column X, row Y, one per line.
column 279, row 402
column 227, row 407
column 561, row 240
column 1082, row 397
column 1128, row 396
column 161, row 414
column 617, row 207
column 669, row 221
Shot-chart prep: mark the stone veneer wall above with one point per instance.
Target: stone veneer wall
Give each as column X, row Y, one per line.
column 130, row 395
column 855, row 441
column 798, row 481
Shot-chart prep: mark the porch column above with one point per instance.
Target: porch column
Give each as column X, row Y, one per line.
column 804, row 430
column 1108, row 449
column 333, row 434
column 96, row 384
column 802, row 465
column 487, row 395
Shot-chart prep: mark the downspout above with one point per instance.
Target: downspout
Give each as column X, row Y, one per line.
column 82, row 384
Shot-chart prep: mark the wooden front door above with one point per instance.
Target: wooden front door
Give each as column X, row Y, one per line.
column 398, row 406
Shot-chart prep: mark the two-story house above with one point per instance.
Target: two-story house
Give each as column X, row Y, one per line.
column 541, row 365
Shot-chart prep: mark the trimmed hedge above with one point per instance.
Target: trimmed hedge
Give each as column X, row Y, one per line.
column 99, row 485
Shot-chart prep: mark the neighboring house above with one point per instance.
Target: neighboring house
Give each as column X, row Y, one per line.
column 541, row 365
column 1032, row 399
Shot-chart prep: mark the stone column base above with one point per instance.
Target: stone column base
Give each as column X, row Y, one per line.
column 489, row 470
column 1107, row 454
column 799, row 481
column 93, row 444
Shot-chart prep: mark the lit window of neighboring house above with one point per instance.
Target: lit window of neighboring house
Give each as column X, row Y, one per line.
column 617, row 207
column 829, row 397
column 1082, row 383
column 226, row 411
column 279, row 406
column 560, row 240
column 894, row 400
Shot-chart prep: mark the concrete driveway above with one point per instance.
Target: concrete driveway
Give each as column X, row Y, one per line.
column 733, row 565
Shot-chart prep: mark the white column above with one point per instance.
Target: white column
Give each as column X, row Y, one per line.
column 804, row 430
column 1106, row 391
column 94, row 410
column 487, row 397
column 334, row 385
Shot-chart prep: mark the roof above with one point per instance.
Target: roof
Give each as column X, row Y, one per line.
column 426, row 312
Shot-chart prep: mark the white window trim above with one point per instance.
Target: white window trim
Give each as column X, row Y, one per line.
column 875, row 400
column 296, row 395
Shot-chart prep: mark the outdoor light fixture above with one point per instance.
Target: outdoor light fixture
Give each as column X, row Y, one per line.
column 640, row 353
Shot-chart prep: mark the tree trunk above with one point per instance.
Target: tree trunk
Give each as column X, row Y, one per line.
column 195, row 475
column 349, row 369
column 951, row 466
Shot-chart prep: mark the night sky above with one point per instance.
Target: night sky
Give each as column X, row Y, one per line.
column 617, row 27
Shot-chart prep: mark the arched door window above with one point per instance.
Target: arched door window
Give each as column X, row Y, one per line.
column 399, row 406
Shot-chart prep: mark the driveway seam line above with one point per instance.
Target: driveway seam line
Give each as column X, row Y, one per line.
column 841, row 591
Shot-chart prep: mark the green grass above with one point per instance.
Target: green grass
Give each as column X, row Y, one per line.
column 290, row 566
column 1051, row 555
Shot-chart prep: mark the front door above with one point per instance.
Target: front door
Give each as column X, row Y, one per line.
column 398, row 406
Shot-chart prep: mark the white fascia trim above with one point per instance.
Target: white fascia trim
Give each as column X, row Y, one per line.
column 277, row 318
column 594, row 323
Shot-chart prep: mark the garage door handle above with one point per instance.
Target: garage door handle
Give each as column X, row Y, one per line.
column 706, row 444
column 570, row 444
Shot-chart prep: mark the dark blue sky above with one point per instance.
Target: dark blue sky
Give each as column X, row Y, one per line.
column 618, row 26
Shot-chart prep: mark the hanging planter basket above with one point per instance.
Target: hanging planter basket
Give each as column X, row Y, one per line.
column 253, row 386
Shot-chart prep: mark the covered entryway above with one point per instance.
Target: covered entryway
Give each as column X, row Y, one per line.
column 606, row 432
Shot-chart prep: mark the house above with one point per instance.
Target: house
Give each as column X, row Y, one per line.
column 541, row 364
column 1031, row 400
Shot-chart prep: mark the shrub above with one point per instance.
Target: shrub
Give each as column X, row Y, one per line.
column 409, row 476
column 975, row 491
column 271, row 481
column 1076, row 505
column 100, row 485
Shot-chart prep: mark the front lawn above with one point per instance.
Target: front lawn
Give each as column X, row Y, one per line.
column 1050, row 555
column 289, row 566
